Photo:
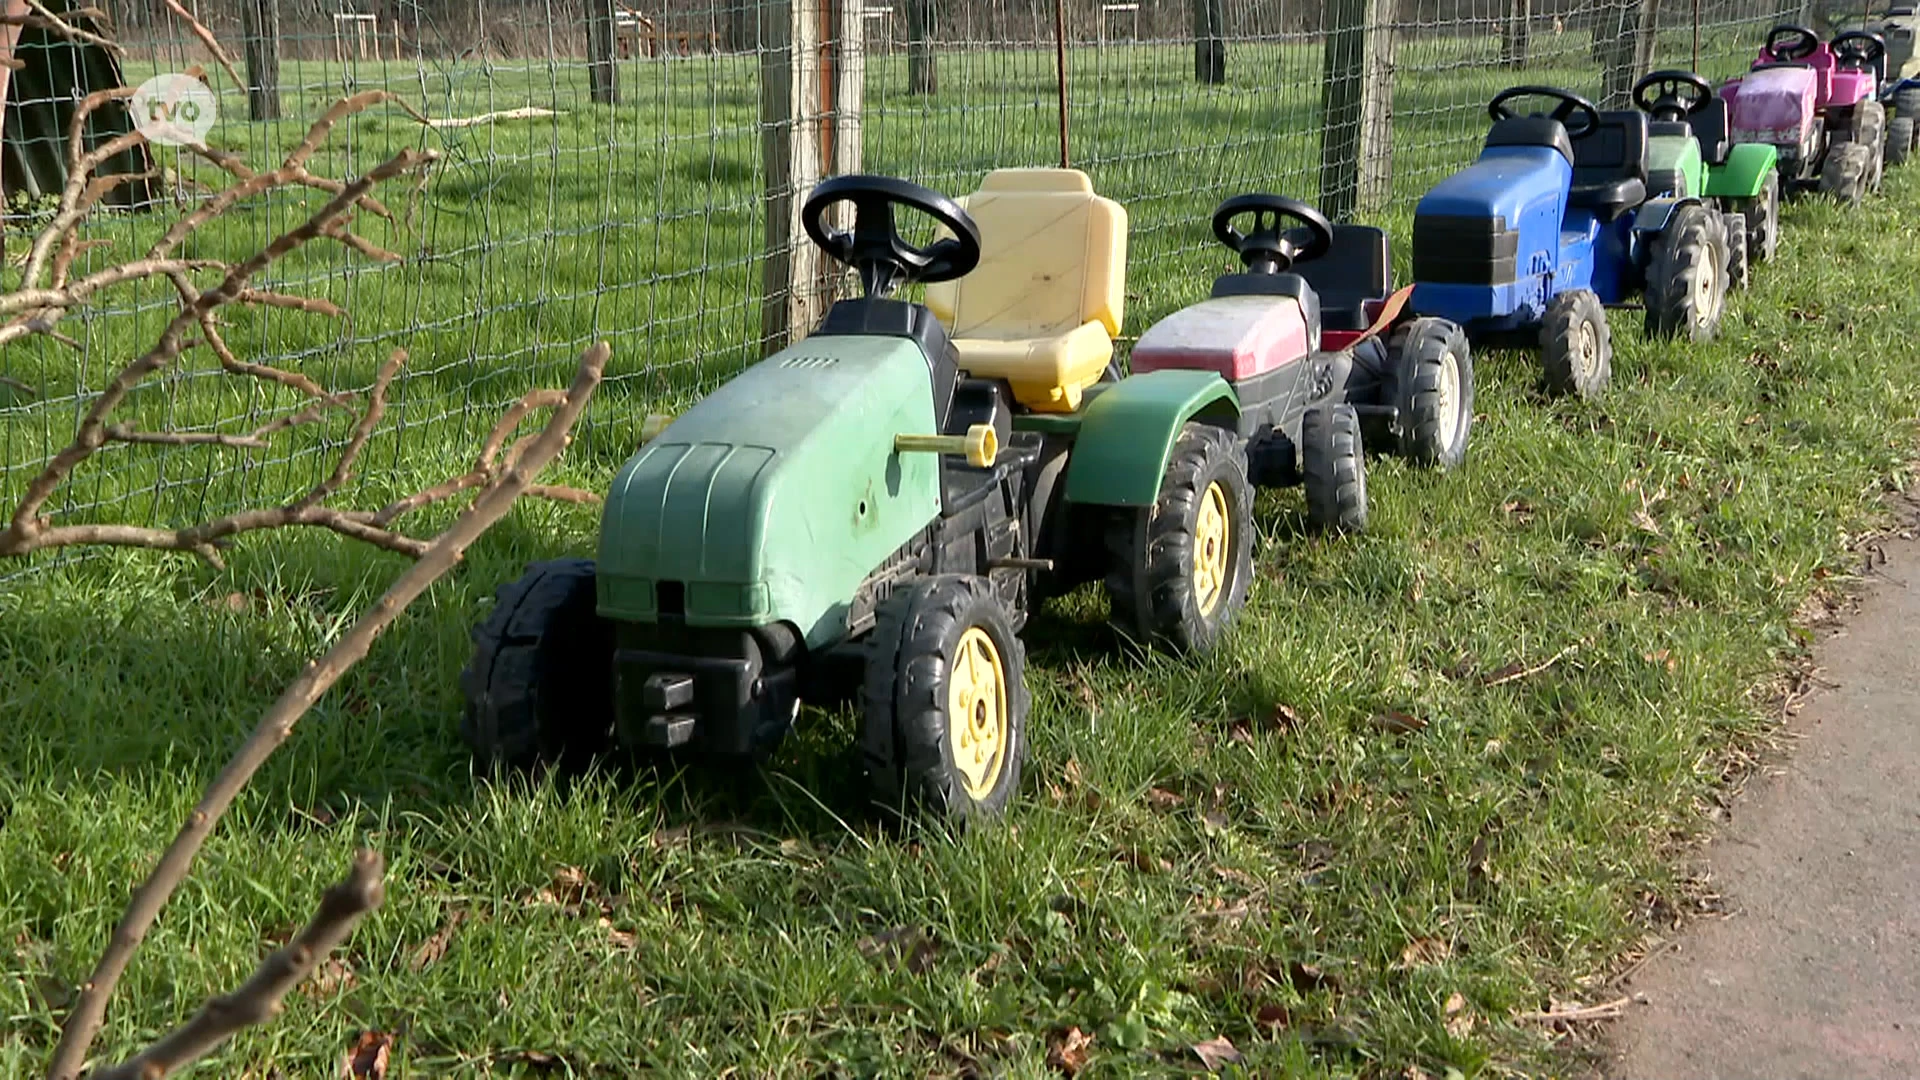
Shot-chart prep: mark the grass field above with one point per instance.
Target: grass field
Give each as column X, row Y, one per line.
column 1230, row 848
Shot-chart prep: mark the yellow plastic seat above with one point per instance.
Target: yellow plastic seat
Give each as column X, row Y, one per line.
column 1043, row 306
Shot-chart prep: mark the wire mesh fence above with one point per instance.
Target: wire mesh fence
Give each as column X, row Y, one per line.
column 610, row 170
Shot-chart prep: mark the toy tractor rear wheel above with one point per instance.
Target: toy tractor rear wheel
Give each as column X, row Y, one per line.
column 1576, row 345
column 944, row 701
column 1687, row 276
column 1739, row 267
column 540, row 682
column 1179, row 570
column 1870, row 130
column 1845, row 173
column 1900, row 136
column 1333, row 465
column 1432, row 390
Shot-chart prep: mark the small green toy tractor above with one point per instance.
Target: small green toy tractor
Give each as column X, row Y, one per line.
column 1690, row 153
column 859, row 516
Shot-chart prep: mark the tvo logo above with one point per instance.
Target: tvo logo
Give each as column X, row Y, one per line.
column 174, row 110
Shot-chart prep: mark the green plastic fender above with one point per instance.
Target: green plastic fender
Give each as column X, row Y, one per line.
column 1676, row 156
column 1744, row 175
column 1129, row 429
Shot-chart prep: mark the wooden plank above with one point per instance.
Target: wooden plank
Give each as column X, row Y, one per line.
column 1356, row 104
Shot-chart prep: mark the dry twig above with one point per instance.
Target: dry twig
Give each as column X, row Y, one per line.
column 83, row 1023
column 258, row 999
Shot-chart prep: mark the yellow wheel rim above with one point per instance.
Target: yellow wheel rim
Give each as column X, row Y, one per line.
column 1210, row 544
column 977, row 712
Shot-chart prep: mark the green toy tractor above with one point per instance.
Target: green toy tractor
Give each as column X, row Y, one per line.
column 1690, row 153
column 856, row 516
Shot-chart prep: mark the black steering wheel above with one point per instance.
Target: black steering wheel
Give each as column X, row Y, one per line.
column 874, row 247
column 1859, row 49
column 1266, row 249
column 1571, row 105
column 1680, row 93
column 1800, row 43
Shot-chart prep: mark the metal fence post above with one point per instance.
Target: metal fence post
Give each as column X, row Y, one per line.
column 1356, row 104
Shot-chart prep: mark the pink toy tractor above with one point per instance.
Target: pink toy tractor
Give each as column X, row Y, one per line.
column 1816, row 103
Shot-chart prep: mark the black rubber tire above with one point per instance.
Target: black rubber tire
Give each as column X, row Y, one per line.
column 1333, row 466
column 539, row 685
column 1739, row 268
column 1763, row 220
column 905, row 705
column 1427, row 431
column 1151, row 588
column 1900, row 135
column 1576, row 345
column 1687, row 276
column 1844, row 174
column 1907, row 103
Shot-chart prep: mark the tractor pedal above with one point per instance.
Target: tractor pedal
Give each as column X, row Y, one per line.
column 670, row 731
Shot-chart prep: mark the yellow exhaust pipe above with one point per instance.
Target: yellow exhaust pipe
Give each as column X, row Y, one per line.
column 981, row 445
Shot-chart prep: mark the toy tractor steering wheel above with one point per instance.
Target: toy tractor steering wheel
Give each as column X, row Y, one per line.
column 1266, row 249
column 1680, row 94
column 875, row 248
column 1571, row 105
column 1859, row 50
column 1800, row 43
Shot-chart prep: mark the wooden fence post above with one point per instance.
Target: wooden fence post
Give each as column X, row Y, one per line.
column 260, row 31
column 1356, row 104
column 1210, row 41
column 1628, row 54
column 922, row 20
column 603, row 76
column 1515, row 33
column 811, row 65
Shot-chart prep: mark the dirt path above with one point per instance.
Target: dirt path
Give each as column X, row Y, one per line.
column 1817, row 974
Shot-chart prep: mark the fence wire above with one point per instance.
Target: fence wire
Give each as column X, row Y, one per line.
column 568, row 220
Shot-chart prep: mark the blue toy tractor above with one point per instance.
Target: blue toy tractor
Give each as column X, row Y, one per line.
column 1552, row 224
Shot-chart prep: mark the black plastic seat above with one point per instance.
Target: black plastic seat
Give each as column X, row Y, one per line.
column 1531, row 131
column 1710, row 123
column 1356, row 269
column 1610, row 165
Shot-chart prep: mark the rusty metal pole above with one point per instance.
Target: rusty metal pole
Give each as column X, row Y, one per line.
column 1060, row 71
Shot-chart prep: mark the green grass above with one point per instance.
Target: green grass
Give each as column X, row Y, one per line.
column 1196, row 846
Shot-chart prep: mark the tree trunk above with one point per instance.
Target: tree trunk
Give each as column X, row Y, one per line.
column 603, row 78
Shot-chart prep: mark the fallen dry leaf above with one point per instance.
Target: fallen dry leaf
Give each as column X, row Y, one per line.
column 1662, row 657
column 1272, row 1016
column 1644, row 522
column 436, row 946
column 671, row 835
column 1071, row 773
column 367, row 1058
column 1460, row 1019
column 330, row 978
column 1305, row 977
column 1424, row 952
column 1216, row 1052
column 1284, row 719
column 1068, row 1050
column 1398, row 723
column 622, row 939
column 1147, row 862
column 1520, row 510
column 1214, row 821
column 1162, row 799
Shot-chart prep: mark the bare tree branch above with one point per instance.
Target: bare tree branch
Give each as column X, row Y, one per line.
column 206, row 38
column 276, row 726
column 258, row 1000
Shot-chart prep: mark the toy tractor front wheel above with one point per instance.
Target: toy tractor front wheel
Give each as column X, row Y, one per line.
column 1333, row 463
column 944, row 701
column 1432, row 391
column 540, row 682
column 1846, row 173
column 1179, row 570
column 1687, row 276
column 1763, row 219
column 1739, row 257
column 1576, row 345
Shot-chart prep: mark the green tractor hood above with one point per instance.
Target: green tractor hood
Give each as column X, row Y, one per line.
column 773, row 498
